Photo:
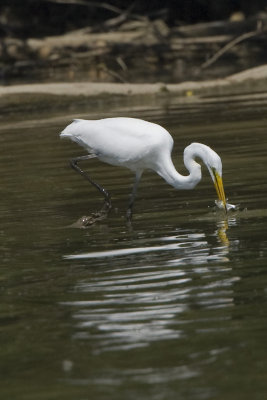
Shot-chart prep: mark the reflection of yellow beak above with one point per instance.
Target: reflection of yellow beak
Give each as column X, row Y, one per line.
column 218, row 183
column 221, row 232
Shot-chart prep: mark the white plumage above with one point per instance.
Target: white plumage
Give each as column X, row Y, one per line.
column 129, row 142
column 138, row 145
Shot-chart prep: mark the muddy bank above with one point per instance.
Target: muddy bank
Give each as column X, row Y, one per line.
column 254, row 79
column 77, row 97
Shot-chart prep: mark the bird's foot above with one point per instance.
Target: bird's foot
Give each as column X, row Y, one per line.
column 86, row 221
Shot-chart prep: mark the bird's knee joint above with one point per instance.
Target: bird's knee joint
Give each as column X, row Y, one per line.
column 73, row 163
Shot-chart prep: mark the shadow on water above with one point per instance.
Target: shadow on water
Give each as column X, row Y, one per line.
column 173, row 306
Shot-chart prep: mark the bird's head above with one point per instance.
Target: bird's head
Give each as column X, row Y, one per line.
column 214, row 164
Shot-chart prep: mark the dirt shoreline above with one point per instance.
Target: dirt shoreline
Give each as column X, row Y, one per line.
column 255, row 78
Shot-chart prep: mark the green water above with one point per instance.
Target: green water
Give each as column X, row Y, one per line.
column 171, row 307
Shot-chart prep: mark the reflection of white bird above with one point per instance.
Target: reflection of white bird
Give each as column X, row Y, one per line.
column 139, row 145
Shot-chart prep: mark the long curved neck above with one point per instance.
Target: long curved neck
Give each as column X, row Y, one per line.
column 174, row 178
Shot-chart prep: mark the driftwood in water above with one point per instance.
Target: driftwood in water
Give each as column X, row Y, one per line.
column 140, row 50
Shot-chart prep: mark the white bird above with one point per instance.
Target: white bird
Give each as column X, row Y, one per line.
column 139, row 145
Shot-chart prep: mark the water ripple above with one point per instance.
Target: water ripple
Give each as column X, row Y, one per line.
column 131, row 306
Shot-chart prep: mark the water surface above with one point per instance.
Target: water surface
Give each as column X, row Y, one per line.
column 171, row 307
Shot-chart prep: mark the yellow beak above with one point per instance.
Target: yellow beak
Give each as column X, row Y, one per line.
column 218, row 183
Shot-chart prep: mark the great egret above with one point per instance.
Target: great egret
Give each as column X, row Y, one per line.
column 138, row 145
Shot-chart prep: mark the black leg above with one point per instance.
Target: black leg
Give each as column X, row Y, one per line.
column 133, row 195
column 74, row 165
